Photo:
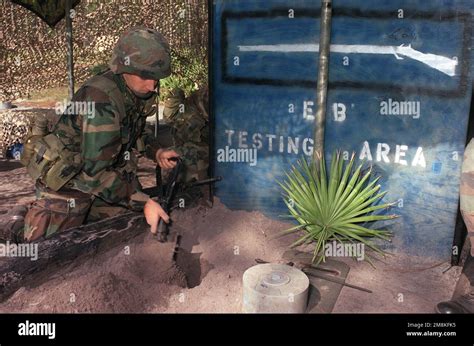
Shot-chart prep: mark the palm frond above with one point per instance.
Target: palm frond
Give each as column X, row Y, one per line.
column 334, row 207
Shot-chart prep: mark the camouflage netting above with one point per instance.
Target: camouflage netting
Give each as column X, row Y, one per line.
column 14, row 124
column 33, row 56
column 13, row 129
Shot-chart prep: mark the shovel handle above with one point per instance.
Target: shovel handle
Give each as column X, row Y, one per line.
column 162, row 231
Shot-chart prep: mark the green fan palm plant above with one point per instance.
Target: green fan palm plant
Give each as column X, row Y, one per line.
column 333, row 208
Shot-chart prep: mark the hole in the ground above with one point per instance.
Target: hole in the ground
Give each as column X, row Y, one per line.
column 193, row 267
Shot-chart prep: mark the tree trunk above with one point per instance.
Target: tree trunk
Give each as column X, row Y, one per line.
column 65, row 247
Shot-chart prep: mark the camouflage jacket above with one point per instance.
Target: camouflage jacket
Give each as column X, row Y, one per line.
column 188, row 116
column 108, row 140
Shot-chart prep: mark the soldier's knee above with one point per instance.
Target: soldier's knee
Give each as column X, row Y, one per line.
column 47, row 216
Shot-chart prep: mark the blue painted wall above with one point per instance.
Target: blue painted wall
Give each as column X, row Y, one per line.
column 260, row 102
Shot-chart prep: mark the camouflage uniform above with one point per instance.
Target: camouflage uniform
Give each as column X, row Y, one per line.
column 189, row 119
column 467, row 192
column 465, row 302
column 107, row 141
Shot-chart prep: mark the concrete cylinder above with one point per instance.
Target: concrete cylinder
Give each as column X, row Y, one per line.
column 274, row 288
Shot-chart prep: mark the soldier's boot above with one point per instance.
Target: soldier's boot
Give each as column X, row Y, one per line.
column 463, row 304
column 12, row 225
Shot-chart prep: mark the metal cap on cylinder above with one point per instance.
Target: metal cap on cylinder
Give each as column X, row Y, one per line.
column 274, row 288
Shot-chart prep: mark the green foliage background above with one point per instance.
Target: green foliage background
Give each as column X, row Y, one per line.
column 189, row 72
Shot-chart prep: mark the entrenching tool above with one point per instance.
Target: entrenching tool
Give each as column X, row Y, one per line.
column 165, row 201
column 174, row 273
column 186, row 193
column 165, row 195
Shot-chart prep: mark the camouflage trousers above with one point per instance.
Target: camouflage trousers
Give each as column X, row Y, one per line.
column 467, row 192
column 53, row 211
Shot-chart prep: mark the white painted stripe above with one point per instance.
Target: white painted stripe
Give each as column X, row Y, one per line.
column 438, row 62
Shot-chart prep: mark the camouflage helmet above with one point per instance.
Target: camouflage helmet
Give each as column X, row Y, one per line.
column 143, row 52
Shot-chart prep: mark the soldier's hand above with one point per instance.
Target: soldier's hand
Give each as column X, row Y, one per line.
column 163, row 157
column 153, row 213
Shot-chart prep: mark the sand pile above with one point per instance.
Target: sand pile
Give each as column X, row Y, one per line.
column 218, row 245
column 140, row 277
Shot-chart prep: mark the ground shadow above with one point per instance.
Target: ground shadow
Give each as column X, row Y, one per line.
column 9, row 165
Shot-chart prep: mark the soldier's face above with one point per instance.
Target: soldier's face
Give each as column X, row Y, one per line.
column 143, row 88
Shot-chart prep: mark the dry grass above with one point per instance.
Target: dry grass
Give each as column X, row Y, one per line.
column 52, row 94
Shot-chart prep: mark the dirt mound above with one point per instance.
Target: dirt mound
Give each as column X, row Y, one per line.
column 217, row 246
column 136, row 278
column 140, row 276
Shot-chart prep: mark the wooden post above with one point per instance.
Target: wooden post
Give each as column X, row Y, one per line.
column 70, row 60
column 323, row 72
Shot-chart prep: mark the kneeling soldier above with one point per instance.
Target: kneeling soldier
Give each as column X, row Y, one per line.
column 86, row 168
